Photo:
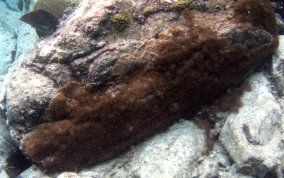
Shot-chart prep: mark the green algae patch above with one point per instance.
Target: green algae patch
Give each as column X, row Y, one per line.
column 181, row 4
column 60, row 59
column 74, row 2
column 121, row 21
column 148, row 11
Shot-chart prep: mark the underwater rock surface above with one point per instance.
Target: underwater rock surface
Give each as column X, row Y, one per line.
column 8, row 39
column 115, row 73
column 251, row 134
column 13, row 46
column 180, row 151
column 182, row 144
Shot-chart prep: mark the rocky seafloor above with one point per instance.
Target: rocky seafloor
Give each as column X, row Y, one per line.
column 142, row 88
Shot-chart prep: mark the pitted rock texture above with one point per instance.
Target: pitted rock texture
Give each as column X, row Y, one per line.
column 182, row 144
column 117, row 88
column 278, row 67
column 250, row 135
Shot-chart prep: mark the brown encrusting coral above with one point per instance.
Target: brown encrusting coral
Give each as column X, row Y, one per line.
column 177, row 72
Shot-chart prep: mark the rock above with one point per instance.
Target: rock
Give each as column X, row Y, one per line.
column 71, row 175
column 217, row 163
column 280, row 24
column 90, row 90
column 182, row 145
column 28, row 5
column 178, row 152
column 250, row 135
column 277, row 68
column 7, row 147
column 4, row 174
column 30, row 104
column 8, row 39
column 33, row 172
column 27, row 39
column 12, row 160
column 16, row 39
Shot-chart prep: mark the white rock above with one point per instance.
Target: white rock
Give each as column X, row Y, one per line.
column 3, row 174
column 27, row 39
column 33, row 172
column 219, row 165
column 70, row 175
column 254, row 136
column 278, row 66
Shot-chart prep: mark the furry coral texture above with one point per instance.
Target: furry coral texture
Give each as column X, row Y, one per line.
column 184, row 68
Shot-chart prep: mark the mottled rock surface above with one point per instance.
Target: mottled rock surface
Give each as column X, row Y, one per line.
column 182, row 144
column 8, row 39
column 256, row 130
column 187, row 139
column 278, row 67
column 94, row 87
column 13, row 46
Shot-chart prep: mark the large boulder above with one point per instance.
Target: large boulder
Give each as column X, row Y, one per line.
column 117, row 72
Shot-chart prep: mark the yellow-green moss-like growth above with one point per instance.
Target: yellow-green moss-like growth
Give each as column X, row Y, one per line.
column 60, row 59
column 121, row 21
column 148, row 11
column 181, row 4
column 74, row 2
